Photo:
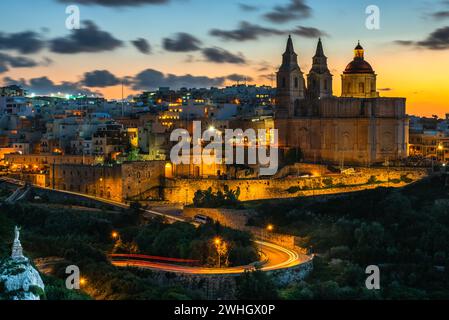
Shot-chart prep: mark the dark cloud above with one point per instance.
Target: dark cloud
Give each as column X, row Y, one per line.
column 437, row 40
column 100, row 79
column 219, row 55
column 247, row 7
column 264, row 68
column 308, row 32
column 116, row 3
column 152, row 79
column 142, row 45
column 405, row 42
column 46, row 61
column 24, row 42
column 245, row 31
column 190, row 58
column 268, row 76
column 45, row 86
column 440, row 15
column 89, row 38
column 296, row 9
column 183, row 42
column 7, row 61
column 239, row 78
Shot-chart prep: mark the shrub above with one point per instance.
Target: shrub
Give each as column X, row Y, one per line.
column 406, row 179
column 209, row 199
column 293, row 189
column 328, row 182
column 372, row 180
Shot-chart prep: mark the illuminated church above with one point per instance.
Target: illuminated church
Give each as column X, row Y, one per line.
column 360, row 127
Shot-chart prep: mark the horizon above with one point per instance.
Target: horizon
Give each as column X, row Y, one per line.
column 157, row 45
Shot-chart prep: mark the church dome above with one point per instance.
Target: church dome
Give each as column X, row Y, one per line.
column 359, row 65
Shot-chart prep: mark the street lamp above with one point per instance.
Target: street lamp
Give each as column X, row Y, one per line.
column 115, row 235
column 221, row 247
column 83, row 281
column 269, row 228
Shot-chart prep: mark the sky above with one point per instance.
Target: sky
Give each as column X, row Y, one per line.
column 145, row 44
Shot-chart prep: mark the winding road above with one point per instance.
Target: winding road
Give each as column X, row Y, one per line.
column 277, row 257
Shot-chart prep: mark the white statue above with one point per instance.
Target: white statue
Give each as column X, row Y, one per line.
column 17, row 232
column 17, row 251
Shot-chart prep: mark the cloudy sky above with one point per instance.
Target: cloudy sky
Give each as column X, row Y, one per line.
column 150, row 43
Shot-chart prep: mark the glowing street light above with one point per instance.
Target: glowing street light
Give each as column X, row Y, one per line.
column 270, row 227
column 221, row 247
column 83, row 281
column 115, row 235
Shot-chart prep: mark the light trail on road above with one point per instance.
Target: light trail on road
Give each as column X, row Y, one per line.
column 278, row 257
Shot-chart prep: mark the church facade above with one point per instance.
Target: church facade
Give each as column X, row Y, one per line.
column 360, row 127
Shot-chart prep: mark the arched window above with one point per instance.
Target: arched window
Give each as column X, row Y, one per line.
column 325, row 85
column 296, row 82
column 284, row 83
column 361, row 87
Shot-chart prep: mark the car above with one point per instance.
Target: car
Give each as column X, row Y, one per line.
column 201, row 219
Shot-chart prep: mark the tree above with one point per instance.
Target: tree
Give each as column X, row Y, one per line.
column 293, row 156
column 256, row 285
column 134, row 155
column 209, row 199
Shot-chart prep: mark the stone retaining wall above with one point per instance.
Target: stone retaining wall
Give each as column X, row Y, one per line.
column 223, row 287
column 183, row 190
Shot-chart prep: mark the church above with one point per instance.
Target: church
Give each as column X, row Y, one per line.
column 359, row 128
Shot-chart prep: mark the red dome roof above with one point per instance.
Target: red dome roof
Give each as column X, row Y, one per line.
column 358, row 65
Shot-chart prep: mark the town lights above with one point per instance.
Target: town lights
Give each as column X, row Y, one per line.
column 270, row 227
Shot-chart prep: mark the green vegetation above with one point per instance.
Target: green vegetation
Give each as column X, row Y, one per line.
column 256, row 285
column 403, row 231
column 187, row 242
column 293, row 156
column 373, row 180
column 84, row 238
column 293, row 190
column 221, row 199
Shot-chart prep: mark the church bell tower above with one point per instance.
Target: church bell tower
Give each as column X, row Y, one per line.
column 290, row 83
column 319, row 79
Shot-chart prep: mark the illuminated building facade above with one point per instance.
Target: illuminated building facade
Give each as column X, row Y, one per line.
column 359, row 127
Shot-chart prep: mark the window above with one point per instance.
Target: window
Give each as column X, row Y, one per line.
column 361, row 87
column 296, row 82
column 284, row 83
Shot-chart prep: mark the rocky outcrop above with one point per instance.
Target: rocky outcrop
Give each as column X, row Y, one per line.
column 19, row 280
